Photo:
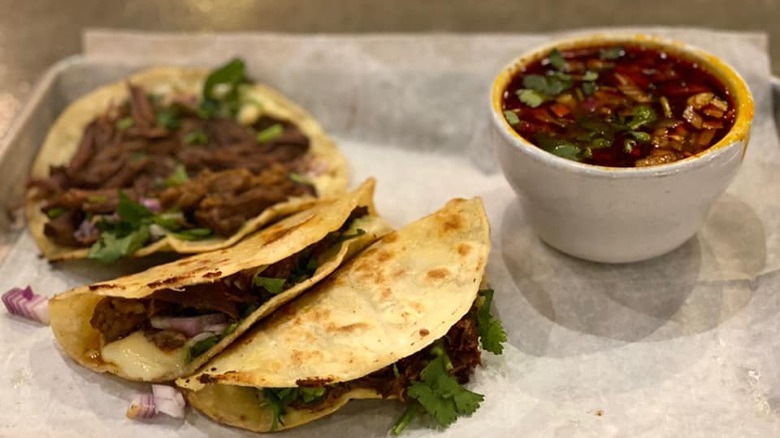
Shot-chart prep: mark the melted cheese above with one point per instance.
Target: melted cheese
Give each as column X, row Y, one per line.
column 138, row 358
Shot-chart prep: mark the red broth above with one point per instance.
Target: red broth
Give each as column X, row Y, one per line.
column 618, row 106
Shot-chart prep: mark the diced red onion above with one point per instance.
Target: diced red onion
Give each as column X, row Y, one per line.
column 168, row 400
column 142, row 407
column 215, row 328
column 163, row 399
column 153, row 204
column 157, row 232
column 190, row 326
column 86, row 232
column 199, row 337
column 23, row 302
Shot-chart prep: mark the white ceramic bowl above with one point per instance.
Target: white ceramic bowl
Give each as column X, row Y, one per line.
column 611, row 214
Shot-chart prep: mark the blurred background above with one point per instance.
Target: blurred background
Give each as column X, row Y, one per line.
column 36, row 33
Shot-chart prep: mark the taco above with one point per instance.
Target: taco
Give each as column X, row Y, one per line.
column 403, row 320
column 165, row 322
column 207, row 158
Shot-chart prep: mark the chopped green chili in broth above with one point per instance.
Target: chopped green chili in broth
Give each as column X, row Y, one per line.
column 618, row 106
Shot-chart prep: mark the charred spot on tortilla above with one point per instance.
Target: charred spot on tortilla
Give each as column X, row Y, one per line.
column 464, row 249
column 206, row 379
column 384, row 255
column 424, row 332
column 102, row 286
column 438, row 273
column 313, row 382
column 158, row 283
column 212, row 274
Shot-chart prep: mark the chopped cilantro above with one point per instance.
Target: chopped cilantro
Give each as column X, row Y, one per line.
column 272, row 285
column 412, row 410
column 530, row 97
column 195, row 137
column 629, row 145
column 278, row 399
column 512, row 118
column 568, row 151
column 535, row 82
column 588, row 88
column 131, row 211
column 169, row 221
column 590, row 76
column 203, row 346
column 298, row 178
column 124, row 123
column 600, row 143
column 640, row 136
column 270, row 133
column 312, row 394
column 228, row 78
column 611, row 53
column 55, row 212
column 640, row 116
column 177, row 177
column 440, row 394
column 110, row 248
column 491, row 333
column 193, row 234
column 556, row 60
column 168, row 119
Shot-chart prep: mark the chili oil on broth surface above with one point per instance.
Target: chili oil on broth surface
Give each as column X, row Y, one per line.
column 618, row 105
column 191, row 151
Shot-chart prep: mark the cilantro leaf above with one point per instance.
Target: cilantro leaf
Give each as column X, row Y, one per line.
column 168, row 119
column 530, row 97
column 441, row 395
column 512, row 118
column 55, row 212
column 611, row 53
column 556, row 60
column 640, row 136
column 195, row 137
column 412, row 410
column 177, row 177
column 588, row 88
column 536, row 83
column 567, row 150
column 131, row 211
column 641, row 115
column 193, row 234
column 491, row 333
column 298, row 178
column 226, row 79
column 272, row 285
column 590, row 76
column 124, row 123
column 309, row 395
column 169, row 221
column 203, row 346
column 278, row 399
column 270, row 133
column 110, row 248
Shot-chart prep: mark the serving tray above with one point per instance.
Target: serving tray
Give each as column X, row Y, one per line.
column 682, row 345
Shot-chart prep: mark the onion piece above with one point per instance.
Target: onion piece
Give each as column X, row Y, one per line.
column 23, row 302
column 153, row 204
column 190, row 326
column 142, row 407
column 215, row 328
column 168, row 400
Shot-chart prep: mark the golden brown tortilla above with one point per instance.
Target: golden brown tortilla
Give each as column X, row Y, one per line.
column 393, row 300
column 62, row 141
column 71, row 311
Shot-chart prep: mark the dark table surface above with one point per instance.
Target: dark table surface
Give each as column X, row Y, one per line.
column 36, row 33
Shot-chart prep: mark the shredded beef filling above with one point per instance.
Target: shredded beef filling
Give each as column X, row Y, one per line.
column 235, row 296
column 233, row 176
column 461, row 344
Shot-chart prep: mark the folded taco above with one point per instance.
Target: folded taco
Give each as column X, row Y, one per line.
column 403, row 320
column 205, row 157
column 165, row 322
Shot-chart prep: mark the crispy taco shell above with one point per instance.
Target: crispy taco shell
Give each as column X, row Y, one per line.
column 72, row 311
column 393, row 300
column 64, row 137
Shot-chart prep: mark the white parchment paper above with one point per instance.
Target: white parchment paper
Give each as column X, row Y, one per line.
column 682, row 345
